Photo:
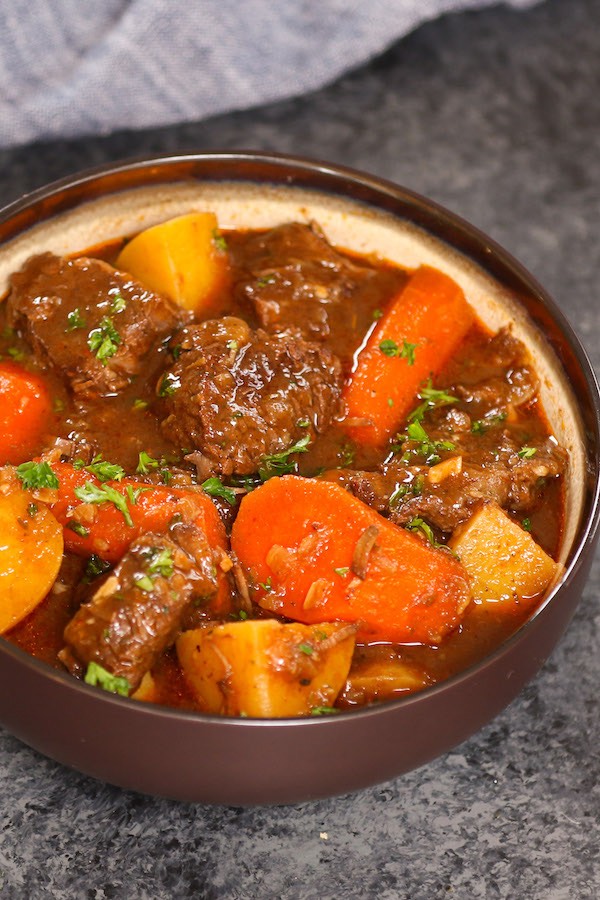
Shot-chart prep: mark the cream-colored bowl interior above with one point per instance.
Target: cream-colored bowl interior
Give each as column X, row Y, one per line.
column 346, row 223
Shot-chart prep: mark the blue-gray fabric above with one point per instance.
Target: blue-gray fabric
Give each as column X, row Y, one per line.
column 75, row 67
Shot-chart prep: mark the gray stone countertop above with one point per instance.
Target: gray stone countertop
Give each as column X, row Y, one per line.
column 495, row 114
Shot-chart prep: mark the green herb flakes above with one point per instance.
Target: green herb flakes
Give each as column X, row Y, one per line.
column 406, row 351
column 214, row 487
column 118, row 304
column 219, row 241
column 169, row 383
column 527, row 452
column 95, row 566
column 92, row 493
column 146, row 463
column 78, row 528
column 104, row 340
column 75, row 320
column 97, row 676
column 36, row 476
column 143, row 582
column 279, row 463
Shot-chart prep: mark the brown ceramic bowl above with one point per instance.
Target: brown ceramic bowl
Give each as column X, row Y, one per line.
column 238, row 761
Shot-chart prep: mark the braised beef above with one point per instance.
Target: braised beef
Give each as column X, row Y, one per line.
column 238, row 395
column 92, row 323
column 137, row 611
column 298, row 283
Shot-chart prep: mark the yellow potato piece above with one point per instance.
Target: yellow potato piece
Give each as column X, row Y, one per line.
column 31, row 549
column 505, row 564
column 382, row 679
column 182, row 258
column 147, row 692
column 262, row 668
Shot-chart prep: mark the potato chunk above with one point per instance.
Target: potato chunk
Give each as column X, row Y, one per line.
column 381, row 679
column 505, row 564
column 31, row 549
column 184, row 258
column 265, row 669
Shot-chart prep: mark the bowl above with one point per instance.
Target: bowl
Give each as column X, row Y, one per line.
column 194, row 757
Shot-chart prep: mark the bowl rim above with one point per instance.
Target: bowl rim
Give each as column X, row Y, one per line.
column 430, row 212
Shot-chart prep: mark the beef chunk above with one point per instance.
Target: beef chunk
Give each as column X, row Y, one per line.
column 91, row 322
column 138, row 610
column 297, row 283
column 237, row 395
column 490, row 470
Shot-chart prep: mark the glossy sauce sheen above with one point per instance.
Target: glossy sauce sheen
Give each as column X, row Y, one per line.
column 120, row 432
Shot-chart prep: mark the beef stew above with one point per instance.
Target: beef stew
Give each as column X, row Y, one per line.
column 213, row 474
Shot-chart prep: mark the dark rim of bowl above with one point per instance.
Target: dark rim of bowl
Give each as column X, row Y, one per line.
column 370, row 191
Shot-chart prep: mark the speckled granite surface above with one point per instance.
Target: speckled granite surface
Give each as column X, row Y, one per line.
column 496, row 115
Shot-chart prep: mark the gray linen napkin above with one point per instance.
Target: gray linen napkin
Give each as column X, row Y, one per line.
column 75, row 67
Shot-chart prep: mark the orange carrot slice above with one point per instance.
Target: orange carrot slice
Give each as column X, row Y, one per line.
column 25, row 413
column 315, row 553
column 414, row 340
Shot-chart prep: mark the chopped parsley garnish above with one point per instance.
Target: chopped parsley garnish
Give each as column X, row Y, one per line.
column 118, row 304
column 347, row 454
column 266, row 585
column 526, row 524
column 91, row 493
column 143, row 582
column 342, row 571
column 527, row 452
column 264, row 280
column 415, row 488
column 36, row 476
column 324, row 711
column 480, row 426
column 307, row 649
column 168, row 385
column 419, row 524
column 214, row 487
column 303, row 423
column 432, row 398
column 175, row 351
column 406, row 351
column 140, row 404
column 95, row 566
column 425, row 446
column 103, row 470
column 104, row 340
column 219, row 241
column 146, row 463
column 97, row 676
column 32, row 509
column 16, row 353
column 133, row 494
column 279, row 463
column 75, row 320
column 377, row 314
column 232, row 345
column 78, row 528
column 160, row 562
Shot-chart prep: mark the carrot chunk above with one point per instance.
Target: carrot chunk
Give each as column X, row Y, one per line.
column 25, row 413
column 413, row 341
column 315, row 553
